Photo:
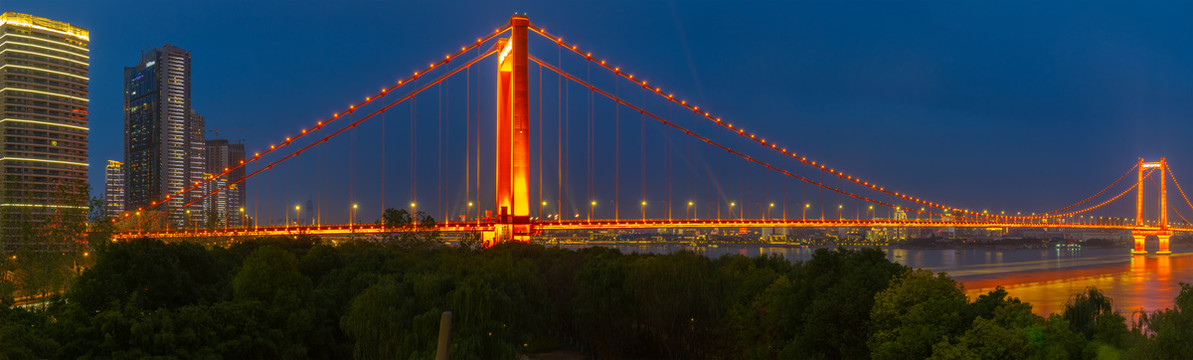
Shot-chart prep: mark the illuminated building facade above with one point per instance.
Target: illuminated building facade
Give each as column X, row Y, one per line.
column 114, row 189
column 226, row 204
column 163, row 137
column 43, row 150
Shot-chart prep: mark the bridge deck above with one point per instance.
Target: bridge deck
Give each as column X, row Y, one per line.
column 564, row 225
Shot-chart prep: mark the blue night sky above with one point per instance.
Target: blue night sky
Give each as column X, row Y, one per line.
column 999, row 105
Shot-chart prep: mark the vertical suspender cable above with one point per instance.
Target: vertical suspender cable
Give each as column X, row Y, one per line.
column 540, row 152
column 383, row 183
column 413, row 177
column 468, row 140
column 589, row 130
column 439, row 150
column 559, row 141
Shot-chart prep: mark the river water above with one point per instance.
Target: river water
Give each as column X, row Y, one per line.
column 1046, row 278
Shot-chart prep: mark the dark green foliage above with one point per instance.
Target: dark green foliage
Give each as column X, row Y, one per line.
column 149, row 275
column 836, row 291
column 415, row 230
column 1168, row 334
column 296, row 298
column 918, row 310
column 270, row 275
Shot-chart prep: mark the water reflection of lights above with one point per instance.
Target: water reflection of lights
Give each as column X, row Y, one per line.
column 1139, row 283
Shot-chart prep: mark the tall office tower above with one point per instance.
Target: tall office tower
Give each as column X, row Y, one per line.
column 163, row 137
column 114, row 189
column 224, row 155
column 43, row 150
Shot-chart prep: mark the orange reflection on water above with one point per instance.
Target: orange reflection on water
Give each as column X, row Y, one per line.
column 1140, row 283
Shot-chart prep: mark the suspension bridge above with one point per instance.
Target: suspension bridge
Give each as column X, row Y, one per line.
column 607, row 151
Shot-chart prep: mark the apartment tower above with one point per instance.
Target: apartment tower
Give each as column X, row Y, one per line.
column 43, row 148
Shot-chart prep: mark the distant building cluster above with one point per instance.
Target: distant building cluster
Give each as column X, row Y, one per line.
column 45, row 65
column 166, row 151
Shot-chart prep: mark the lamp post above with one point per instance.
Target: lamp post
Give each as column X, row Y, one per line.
column 352, row 219
column 542, row 206
column 297, row 216
column 188, row 218
column 242, row 219
column 804, row 215
column 643, row 210
column 768, row 209
column 591, row 206
column 731, row 205
column 839, row 208
column 692, row 209
column 413, row 207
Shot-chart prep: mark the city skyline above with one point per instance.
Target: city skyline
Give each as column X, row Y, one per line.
column 1038, row 117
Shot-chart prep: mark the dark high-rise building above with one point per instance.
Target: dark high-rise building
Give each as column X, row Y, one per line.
column 227, row 205
column 43, row 129
column 163, row 137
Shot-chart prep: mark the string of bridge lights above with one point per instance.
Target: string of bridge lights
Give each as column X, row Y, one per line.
column 803, row 159
column 320, row 124
column 772, row 167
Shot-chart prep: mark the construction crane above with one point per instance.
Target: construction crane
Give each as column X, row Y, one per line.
column 217, row 132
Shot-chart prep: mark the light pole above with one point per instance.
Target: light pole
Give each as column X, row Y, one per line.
column 591, row 206
column 768, row 209
column 804, row 216
column 643, row 210
column 413, row 218
column 870, row 213
column 731, row 205
column 297, row 216
column 352, row 219
column 242, row 220
column 542, row 206
column 188, row 218
column 839, row 208
column 690, row 208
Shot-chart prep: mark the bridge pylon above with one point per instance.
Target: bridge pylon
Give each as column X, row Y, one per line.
column 513, row 136
column 1162, row 233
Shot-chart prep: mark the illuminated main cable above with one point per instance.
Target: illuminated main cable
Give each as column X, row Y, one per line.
column 771, row 145
column 765, row 164
column 319, row 125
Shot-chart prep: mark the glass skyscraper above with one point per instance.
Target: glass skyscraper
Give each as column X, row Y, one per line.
column 163, row 137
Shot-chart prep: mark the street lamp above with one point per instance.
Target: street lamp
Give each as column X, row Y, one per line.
column 731, row 205
column 242, row 219
column 768, row 209
column 804, row 216
column 690, row 207
column 352, row 219
column 839, row 208
column 643, row 210
column 297, row 215
column 188, row 218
